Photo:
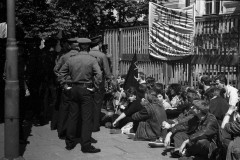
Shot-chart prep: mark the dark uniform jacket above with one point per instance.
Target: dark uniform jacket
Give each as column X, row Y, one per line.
column 82, row 68
column 102, row 61
column 63, row 60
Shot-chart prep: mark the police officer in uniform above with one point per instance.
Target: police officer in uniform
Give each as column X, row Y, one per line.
column 85, row 75
column 104, row 65
column 65, row 95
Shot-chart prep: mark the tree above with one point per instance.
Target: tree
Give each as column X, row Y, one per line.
column 41, row 19
column 79, row 18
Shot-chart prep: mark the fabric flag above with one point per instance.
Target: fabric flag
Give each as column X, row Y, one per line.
column 171, row 32
column 3, row 30
column 132, row 74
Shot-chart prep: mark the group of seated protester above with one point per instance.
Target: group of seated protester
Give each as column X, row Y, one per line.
column 201, row 123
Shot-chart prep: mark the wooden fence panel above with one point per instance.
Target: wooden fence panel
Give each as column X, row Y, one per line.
column 213, row 36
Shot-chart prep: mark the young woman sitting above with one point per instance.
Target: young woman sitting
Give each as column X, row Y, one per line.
column 150, row 118
column 133, row 106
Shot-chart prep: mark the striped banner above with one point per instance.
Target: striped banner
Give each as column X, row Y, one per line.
column 3, row 30
column 171, row 32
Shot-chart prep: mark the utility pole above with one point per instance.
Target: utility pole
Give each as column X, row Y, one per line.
column 11, row 126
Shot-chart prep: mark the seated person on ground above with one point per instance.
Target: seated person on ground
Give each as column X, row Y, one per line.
column 150, row 118
column 218, row 106
column 162, row 96
column 174, row 94
column 177, row 101
column 141, row 78
column 231, row 93
column 132, row 107
column 198, row 132
column 187, row 112
column 150, row 82
column 231, row 124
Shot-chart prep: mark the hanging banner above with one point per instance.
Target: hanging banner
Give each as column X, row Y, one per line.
column 3, row 30
column 171, row 32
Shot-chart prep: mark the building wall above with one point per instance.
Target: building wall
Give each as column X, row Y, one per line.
column 206, row 7
column 224, row 7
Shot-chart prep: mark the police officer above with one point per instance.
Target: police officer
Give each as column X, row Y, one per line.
column 85, row 74
column 64, row 90
column 99, row 96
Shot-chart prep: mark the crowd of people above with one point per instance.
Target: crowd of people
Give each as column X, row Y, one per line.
column 179, row 117
column 75, row 91
column 202, row 123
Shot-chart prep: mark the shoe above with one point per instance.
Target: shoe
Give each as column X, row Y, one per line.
column 115, row 131
column 157, row 143
column 93, row 140
column 175, row 154
column 70, row 147
column 90, row 149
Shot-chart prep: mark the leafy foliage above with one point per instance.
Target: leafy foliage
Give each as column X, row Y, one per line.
column 44, row 20
column 79, row 18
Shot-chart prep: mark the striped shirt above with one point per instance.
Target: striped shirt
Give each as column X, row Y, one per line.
column 233, row 128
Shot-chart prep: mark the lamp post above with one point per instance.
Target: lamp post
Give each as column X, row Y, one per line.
column 11, row 127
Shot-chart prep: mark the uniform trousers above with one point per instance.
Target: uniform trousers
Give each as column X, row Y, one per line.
column 65, row 103
column 98, row 100
column 81, row 108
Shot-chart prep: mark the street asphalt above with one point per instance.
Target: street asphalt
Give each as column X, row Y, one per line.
column 45, row 145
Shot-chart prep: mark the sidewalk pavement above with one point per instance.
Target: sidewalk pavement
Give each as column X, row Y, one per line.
column 45, row 145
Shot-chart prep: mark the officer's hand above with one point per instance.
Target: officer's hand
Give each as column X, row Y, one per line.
column 66, row 87
column 27, row 93
column 91, row 89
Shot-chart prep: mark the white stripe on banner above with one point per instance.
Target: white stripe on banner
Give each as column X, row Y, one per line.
column 171, row 32
column 3, row 30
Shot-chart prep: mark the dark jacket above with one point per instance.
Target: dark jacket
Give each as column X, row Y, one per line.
column 62, row 60
column 151, row 128
column 218, row 107
column 102, row 61
column 207, row 129
column 189, row 125
column 133, row 107
column 198, row 129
